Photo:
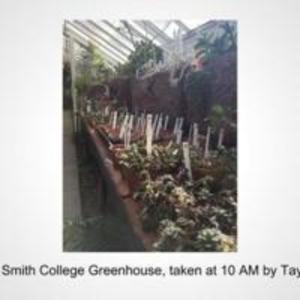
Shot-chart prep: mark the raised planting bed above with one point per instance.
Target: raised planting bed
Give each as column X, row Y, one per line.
column 172, row 207
column 120, row 185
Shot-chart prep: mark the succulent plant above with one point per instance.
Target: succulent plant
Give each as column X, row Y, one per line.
column 171, row 238
column 187, row 214
column 211, row 239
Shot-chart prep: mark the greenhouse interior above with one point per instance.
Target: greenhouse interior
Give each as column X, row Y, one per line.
column 149, row 136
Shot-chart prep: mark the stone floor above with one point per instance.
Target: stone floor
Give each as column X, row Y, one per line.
column 96, row 230
column 71, row 192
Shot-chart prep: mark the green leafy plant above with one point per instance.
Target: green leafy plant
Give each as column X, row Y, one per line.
column 163, row 198
column 144, row 51
column 91, row 69
column 211, row 239
column 164, row 159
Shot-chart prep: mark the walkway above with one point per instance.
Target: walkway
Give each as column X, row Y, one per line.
column 72, row 207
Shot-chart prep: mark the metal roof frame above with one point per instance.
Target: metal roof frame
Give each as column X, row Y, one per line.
column 144, row 37
column 84, row 44
column 153, row 30
column 182, row 25
column 87, row 40
column 117, row 51
column 117, row 31
column 97, row 43
column 135, row 31
column 116, row 39
column 100, row 28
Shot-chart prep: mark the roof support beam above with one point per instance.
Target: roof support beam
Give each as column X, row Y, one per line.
column 135, row 31
column 104, row 48
column 118, row 31
column 85, row 41
column 84, row 44
column 182, row 25
column 101, row 39
column 154, row 30
column 98, row 27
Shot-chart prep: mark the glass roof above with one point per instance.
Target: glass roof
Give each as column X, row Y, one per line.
column 115, row 39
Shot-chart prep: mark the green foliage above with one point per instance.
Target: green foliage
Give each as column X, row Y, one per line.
column 91, row 69
column 164, row 159
column 187, row 215
column 182, row 235
column 180, row 209
column 197, row 88
column 217, row 116
column 172, row 237
column 144, row 51
column 162, row 198
column 224, row 43
column 212, row 239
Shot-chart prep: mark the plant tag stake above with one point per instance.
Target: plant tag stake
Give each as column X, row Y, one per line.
column 122, row 130
column 106, row 110
column 130, row 123
column 221, row 137
column 125, row 136
column 155, row 122
column 175, row 126
column 88, row 107
column 128, row 136
column 180, row 123
column 110, row 121
column 195, row 135
column 115, row 117
column 143, row 122
column 149, row 132
column 206, row 151
column 186, row 157
column 158, row 127
column 138, row 123
column 178, row 136
column 166, row 122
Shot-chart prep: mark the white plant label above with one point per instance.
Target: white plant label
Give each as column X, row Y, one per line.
column 149, row 133
column 175, row 126
column 138, row 123
column 125, row 136
column 155, row 122
column 206, row 150
column 122, row 130
column 178, row 136
column 115, row 118
column 143, row 122
column 88, row 108
column 106, row 111
column 130, row 123
column 166, row 122
column 128, row 136
column 221, row 137
column 186, row 158
column 158, row 127
column 180, row 124
column 111, row 119
column 195, row 135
